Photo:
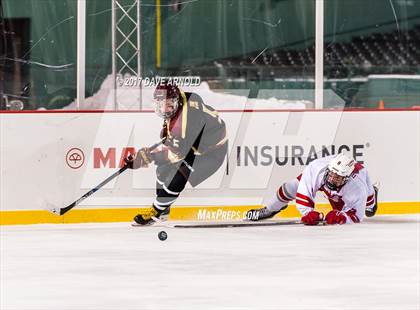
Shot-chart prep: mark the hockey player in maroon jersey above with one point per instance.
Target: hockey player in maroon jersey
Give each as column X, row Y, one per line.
column 344, row 182
column 194, row 147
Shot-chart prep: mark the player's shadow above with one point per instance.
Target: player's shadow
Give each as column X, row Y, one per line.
column 392, row 220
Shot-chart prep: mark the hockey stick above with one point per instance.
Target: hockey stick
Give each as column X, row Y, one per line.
column 221, row 224
column 236, row 224
column 62, row 211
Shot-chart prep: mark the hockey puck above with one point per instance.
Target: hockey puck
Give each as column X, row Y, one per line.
column 162, row 235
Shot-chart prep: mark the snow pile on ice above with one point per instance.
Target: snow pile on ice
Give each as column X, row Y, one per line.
column 128, row 99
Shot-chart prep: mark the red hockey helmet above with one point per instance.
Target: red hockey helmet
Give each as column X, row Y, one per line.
column 167, row 98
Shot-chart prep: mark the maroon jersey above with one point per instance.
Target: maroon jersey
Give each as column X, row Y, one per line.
column 196, row 127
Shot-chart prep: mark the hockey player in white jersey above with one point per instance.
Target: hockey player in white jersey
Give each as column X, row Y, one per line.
column 344, row 182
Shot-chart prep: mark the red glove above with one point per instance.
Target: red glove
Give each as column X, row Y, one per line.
column 312, row 218
column 335, row 217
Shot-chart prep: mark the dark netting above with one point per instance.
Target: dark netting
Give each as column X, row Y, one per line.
column 262, row 49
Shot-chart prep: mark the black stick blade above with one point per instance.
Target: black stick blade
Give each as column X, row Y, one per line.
column 55, row 211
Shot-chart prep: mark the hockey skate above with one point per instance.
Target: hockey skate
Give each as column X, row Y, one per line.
column 371, row 211
column 148, row 216
column 164, row 215
column 261, row 214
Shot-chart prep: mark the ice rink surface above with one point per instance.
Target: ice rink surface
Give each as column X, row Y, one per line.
column 374, row 265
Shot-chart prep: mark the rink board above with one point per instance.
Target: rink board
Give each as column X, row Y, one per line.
column 178, row 213
column 54, row 158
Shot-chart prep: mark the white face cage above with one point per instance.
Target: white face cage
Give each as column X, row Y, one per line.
column 334, row 181
column 339, row 170
column 166, row 108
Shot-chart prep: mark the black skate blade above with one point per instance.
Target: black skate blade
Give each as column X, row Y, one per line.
column 157, row 222
column 142, row 225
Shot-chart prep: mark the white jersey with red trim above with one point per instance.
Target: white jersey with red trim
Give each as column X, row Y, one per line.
column 352, row 198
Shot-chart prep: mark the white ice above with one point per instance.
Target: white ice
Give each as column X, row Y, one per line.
column 374, row 265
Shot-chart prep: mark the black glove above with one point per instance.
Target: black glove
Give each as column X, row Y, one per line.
column 143, row 159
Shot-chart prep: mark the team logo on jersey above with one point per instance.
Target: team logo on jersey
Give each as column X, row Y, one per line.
column 335, row 198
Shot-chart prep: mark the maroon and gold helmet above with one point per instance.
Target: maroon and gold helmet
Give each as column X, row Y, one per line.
column 167, row 98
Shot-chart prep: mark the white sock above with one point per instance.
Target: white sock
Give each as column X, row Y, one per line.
column 274, row 204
